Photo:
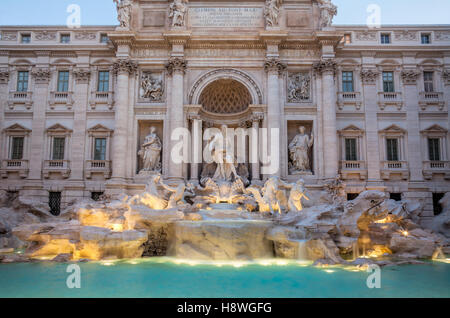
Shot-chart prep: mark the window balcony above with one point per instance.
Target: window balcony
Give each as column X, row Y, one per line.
column 56, row 166
column 390, row 99
column 349, row 98
column 431, row 99
column 17, row 98
column 98, row 167
column 61, row 98
column 392, row 168
column 105, row 98
column 349, row 168
column 19, row 166
column 431, row 168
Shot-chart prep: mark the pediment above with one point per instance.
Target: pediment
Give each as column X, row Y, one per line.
column 17, row 127
column 99, row 128
column 393, row 129
column 351, row 129
column 435, row 129
column 58, row 128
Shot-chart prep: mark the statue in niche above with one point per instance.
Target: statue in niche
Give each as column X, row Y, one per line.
column 222, row 152
column 299, row 87
column 151, row 152
column 177, row 12
column 327, row 12
column 272, row 12
column 123, row 13
column 152, row 88
column 296, row 195
column 299, row 149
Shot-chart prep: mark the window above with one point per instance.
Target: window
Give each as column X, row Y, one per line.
column 54, row 202
column 352, row 196
column 63, row 81
column 96, row 196
column 425, row 38
column 26, row 38
column 103, row 81
column 100, row 149
column 65, row 38
column 428, row 81
column 17, row 148
column 58, row 148
column 388, row 82
column 434, row 149
column 347, row 38
column 392, row 149
column 347, row 82
column 395, row 196
column 437, row 208
column 350, row 149
column 22, row 81
column 104, row 38
column 385, row 38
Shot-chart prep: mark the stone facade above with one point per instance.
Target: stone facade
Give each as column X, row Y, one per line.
column 77, row 125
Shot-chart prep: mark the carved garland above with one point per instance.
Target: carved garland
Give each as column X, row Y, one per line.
column 4, row 76
column 446, row 76
column 322, row 66
column 369, row 76
column 41, row 75
column 82, row 75
column 176, row 64
column 410, row 76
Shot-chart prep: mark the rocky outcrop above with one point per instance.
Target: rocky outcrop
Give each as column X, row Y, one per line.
column 441, row 222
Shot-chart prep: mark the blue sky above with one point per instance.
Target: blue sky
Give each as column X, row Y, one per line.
column 102, row 12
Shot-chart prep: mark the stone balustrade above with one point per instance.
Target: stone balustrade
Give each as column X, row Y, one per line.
column 61, row 98
column 390, row 99
column 19, row 166
column 15, row 98
column 56, row 166
column 349, row 98
column 98, row 166
column 105, row 98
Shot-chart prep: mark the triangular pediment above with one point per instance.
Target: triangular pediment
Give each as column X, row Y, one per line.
column 58, row 128
column 435, row 128
column 17, row 127
column 352, row 128
column 393, row 129
column 99, row 128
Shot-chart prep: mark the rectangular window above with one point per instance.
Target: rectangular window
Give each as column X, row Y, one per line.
column 395, row 196
column 428, row 81
column 63, row 81
column 347, row 38
column 26, row 38
column 437, row 208
column 434, row 149
column 54, row 202
column 392, row 149
column 17, row 148
column 347, row 82
column 426, row 38
column 100, row 149
column 385, row 38
column 65, row 38
column 58, row 148
column 350, row 149
column 388, row 82
column 103, row 81
column 96, row 196
column 104, row 38
column 22, row 81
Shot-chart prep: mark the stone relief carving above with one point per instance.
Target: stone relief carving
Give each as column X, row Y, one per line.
column 299, row 152
column 410, row 76
column 442, row 35
column 328, row 65
column 150, row 152
column 327, row 12
column 4, row 76
column 124, row 65
column 82, row 75
column 177, row 12
column 369, row 76
column 41, row 75
column 446, row 75
column 366, row 36
column 272, row 12
column 274, row 65
column 272, row 197
column 152, row 87
column 123, row 13
column 176, row 64
column 9, row 36
column 85, row 36
column 296, row 195
column 299, row 87
column 45, row 36
column 405, row 35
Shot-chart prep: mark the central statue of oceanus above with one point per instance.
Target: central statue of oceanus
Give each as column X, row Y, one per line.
column 222, row 152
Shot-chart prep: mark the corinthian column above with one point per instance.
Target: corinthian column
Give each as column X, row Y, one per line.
column 176, row 68
column 326, row 69
column 274, row 69
column 123, row 68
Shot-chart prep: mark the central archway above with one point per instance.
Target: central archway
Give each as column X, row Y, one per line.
column 225, row 96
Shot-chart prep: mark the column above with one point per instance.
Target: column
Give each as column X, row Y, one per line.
column 369, row 81
column 4, row 81
column 123, row 68
column 196, row 148
column 274, row 68
column 77, row 159
column 326, row 68
column 41, row 79
column 176, row 68
column 254, row 147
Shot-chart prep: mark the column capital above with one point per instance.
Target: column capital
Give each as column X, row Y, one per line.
column 41, row 75
column 325, row 66
column 410, row 77
column 446, row 76
column 274, row 65
column 369, row 76
column 4, row 76
column 82, row 75
column 125, row 66
column 176, row 65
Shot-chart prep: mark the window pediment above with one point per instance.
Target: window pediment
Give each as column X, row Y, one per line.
column 17, row 128
column 393, row 129
column 58, row 129
column 99, row 130
column 351, row 130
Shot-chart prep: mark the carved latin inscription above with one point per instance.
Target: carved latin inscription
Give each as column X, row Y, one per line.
column 226, row 17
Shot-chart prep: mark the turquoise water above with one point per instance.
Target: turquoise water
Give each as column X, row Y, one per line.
column 160, row 277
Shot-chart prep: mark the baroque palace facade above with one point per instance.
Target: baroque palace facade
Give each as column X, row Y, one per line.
column 77, row 105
